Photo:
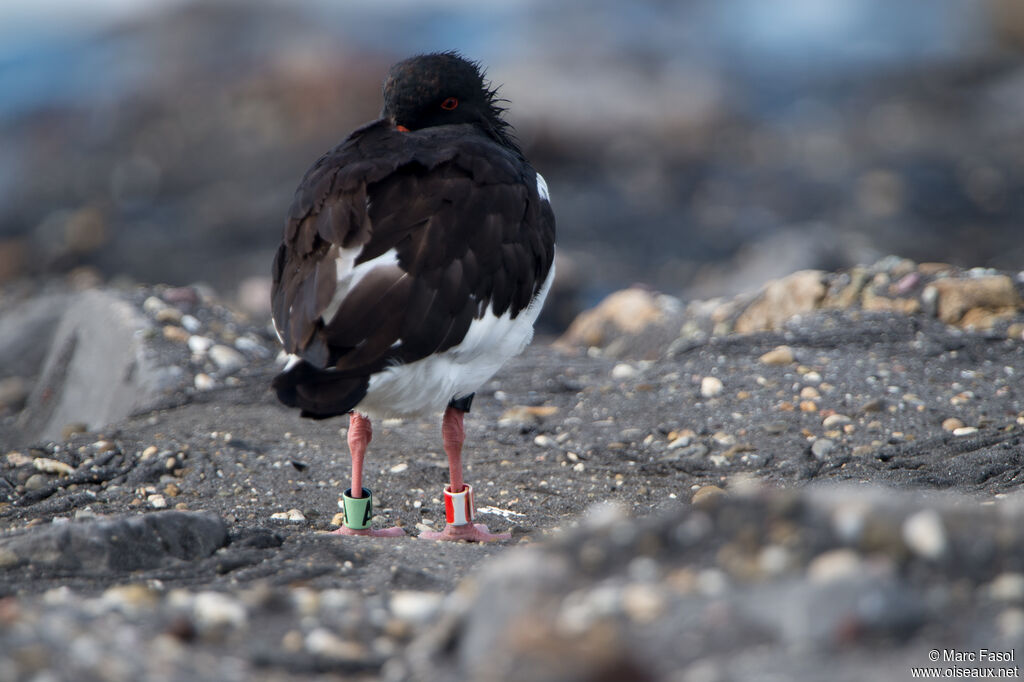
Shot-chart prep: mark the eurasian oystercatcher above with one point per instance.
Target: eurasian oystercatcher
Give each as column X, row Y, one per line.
column 415, row 260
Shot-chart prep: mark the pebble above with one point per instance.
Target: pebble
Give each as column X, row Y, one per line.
column 1007, row 587
column 215, row 611
column 710, row 387
column 834, row 565
column 544, row 441
column 951, row 424
column 199, row 344
column 822, row 447
column 36, row 481
column 925, row 534
column 226, row 358
column 204, row 382
column 525, row 416
column 680, row 441
column 399, row 468
column 131, row 598
column 153, row 305
column 808, row 406
column 965, row 430
column 168, row 315
column 17, row 459
column 623, row 371
column 177, row 334
column 809, row 393
column 323, row 642
column 291, row 516
column 835, row 420
column 157, row 501
column 415, row 606
column 707, row 494
column 248, row 345
column 774, row 560
column 643, row 603
column 780, row 355
column 52, row 466
column 191, row 323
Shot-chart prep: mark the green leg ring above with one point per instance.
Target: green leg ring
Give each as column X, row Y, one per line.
column 358, row 510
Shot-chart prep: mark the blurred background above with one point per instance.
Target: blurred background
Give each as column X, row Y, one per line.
column 697, row 146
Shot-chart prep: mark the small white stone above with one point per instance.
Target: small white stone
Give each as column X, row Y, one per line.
column 249, row 345
column 834, row 565
column 291, row 516
column 822, row 447
column 153, row 305
column 680, row 442
column 925, row 534
column 52, row 466
column 214, row 610
column 226, row 358
column 204, row 382
column 710, row 387
column 1007, row 587
column 199, row 344
column 414, row 606
column 965, row 430
column 323, row 642
column 623, row 371
column 643, row 603
column 774, row 560
column 191, row 323
column 157, row 501
column 544, row 441
column 399, row 468
column 835, row 420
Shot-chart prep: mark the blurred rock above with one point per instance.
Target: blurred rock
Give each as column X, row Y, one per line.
column 624, row 315
column 119, row 545
column 630, row 324
column 780, row 300
column 98, row 369
column 993, row 294
column 579, row 608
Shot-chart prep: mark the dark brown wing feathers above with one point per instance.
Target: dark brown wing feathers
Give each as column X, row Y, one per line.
column 470, row 233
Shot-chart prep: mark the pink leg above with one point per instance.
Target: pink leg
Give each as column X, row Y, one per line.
column 453, row 434
column 360, row 433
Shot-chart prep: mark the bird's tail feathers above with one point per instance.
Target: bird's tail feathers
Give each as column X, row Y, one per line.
column 319, row 393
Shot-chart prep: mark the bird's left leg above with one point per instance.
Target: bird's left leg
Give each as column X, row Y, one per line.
column 458, row 497
column 357, row 501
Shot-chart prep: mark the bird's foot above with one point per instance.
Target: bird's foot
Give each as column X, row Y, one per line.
column 468, row 532
column 392, row 532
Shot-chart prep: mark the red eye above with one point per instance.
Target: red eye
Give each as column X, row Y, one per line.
column 449, row 103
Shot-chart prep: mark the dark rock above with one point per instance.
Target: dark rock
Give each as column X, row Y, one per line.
column 116, row 545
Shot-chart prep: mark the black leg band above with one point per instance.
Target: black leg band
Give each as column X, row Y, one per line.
column 463, row 404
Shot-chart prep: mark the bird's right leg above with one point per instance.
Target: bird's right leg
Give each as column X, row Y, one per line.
column 357, row 501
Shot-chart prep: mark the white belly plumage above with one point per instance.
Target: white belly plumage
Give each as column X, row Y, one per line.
column 427, row 385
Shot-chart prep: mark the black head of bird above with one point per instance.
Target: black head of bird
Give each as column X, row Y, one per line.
column 443, row 88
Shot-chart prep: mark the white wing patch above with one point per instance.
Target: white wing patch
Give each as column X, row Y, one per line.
column 427, row 385
column 350, row 274
column 542, row 188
